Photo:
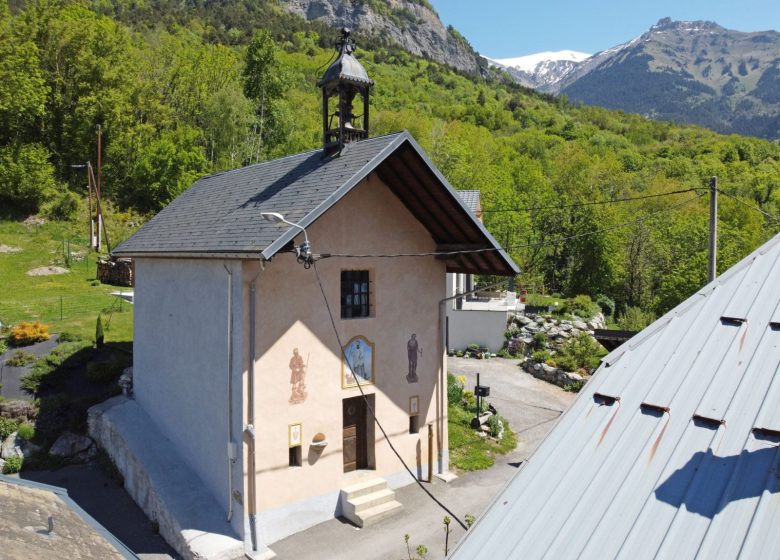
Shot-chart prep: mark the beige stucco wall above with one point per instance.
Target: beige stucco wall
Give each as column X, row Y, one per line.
column 291, row 314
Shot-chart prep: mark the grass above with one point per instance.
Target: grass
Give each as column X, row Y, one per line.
column 468, row 451
column 66, row 302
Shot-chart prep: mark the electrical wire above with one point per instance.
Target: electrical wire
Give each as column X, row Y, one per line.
column 593, row 203
column 370, row 408
column 638, row 220
column 743, row 203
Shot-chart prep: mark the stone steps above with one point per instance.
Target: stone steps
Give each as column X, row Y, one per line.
column 369, row 502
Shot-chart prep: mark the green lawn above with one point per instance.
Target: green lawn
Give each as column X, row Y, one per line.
column 66, row 302
column 468, row 451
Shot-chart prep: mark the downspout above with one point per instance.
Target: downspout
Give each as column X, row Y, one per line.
column 231, row 446
column 443, row 374
column 250, row 428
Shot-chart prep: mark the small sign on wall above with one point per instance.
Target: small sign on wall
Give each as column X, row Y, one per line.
column 295, row 435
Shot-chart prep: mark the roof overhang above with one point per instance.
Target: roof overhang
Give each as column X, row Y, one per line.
column 405, row 168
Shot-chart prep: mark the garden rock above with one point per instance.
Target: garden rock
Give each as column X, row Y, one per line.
column 523, row 320
column 566, row 326
column 580, row 325
column 11, row 447
column 29, row 448
column 71, row 445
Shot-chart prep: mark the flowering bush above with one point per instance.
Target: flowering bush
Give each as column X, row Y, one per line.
column 26, row 333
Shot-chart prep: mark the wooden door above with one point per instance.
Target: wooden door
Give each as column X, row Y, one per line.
column 354, row 413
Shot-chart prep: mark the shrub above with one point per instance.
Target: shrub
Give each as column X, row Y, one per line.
column 469, row 399
column 26, row 333
column 607, row 304
column 26, row 431
column 68, row 337
column 7, row 427
column 99, row 332
column 574, row 387
column 496, row 424
column 63, row 207
column 540, row 356
column 455, row 388
column 13, row 465
column 581, row 351
column 634, row 319
column 102, row 372
column 511, row 332
column 539, row 341
column 3, row 346
column 20, row 358
column 581, row 306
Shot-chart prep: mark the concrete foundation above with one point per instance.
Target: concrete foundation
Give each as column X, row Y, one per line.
column 167, row 490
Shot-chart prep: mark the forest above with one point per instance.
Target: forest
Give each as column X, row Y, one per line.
column 184, row 90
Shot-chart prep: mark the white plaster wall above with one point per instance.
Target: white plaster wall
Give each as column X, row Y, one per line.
column 180, row 363
column 485, row 328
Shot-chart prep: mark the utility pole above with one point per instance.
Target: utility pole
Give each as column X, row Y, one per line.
column 100, row 224
column 713, row 245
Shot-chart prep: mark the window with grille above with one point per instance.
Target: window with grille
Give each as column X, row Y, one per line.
column 355, row 294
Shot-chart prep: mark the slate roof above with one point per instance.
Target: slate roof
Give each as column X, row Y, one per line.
column 219, row 216
column 24, row 525
column 672, row 450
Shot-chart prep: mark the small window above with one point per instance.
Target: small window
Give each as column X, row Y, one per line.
column 355, row 294
column 296, row 456
column 414, row 424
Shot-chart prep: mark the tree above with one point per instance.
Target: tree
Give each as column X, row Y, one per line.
column 265, row 81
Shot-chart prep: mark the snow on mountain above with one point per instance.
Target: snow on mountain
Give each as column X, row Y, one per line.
column 542, row 70
column 529, row 62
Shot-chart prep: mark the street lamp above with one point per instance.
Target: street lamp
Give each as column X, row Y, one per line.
column 304, row 250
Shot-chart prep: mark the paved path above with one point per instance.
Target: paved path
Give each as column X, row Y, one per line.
column 10, row 377
column 530, row 405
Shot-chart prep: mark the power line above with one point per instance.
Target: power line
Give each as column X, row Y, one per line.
column 638, row 220
column 743, row 203
column 593, row 203
column 371, row 409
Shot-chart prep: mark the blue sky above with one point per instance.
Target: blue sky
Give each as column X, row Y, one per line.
column 507, row 28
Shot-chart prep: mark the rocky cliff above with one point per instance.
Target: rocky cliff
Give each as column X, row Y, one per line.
column 411, row 24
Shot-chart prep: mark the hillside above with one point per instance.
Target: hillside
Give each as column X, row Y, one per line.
column 193, row 91
column 688, row 72
column 411, row 24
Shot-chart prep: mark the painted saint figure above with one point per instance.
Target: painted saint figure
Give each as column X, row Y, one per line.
column 412, row 350
column 297, row 378
column 357, row 362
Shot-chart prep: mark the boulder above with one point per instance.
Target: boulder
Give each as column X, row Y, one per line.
column 11, row 447
column 29, row 448
column 72, row 445
column 523, row 320
column 579, row 325
column 566, row 326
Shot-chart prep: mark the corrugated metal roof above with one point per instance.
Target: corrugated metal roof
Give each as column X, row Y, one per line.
column 220, row 214
column 471, row 199
column 671, row 450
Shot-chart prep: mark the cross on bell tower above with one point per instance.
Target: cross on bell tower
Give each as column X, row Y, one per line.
column 342, row 82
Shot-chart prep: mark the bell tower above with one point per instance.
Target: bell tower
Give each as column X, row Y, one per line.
column 343, row 82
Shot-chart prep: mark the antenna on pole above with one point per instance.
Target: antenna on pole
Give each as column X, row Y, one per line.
column 713, row 244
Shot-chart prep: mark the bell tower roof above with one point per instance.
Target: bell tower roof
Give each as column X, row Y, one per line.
column 346, row 67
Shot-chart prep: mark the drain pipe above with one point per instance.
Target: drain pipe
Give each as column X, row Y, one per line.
column 231, row 446
column 250, row 431
column 443, row 376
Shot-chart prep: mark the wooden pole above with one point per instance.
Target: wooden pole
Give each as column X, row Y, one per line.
column 430, row 452
column 712, row 264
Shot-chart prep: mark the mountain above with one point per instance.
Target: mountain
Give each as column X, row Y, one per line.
column 411, row 24
column 542, row 70
column 688, row 72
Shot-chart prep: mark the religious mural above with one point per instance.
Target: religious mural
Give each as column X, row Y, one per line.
column 413, row 349
column 298, row 377
column 357, row 363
